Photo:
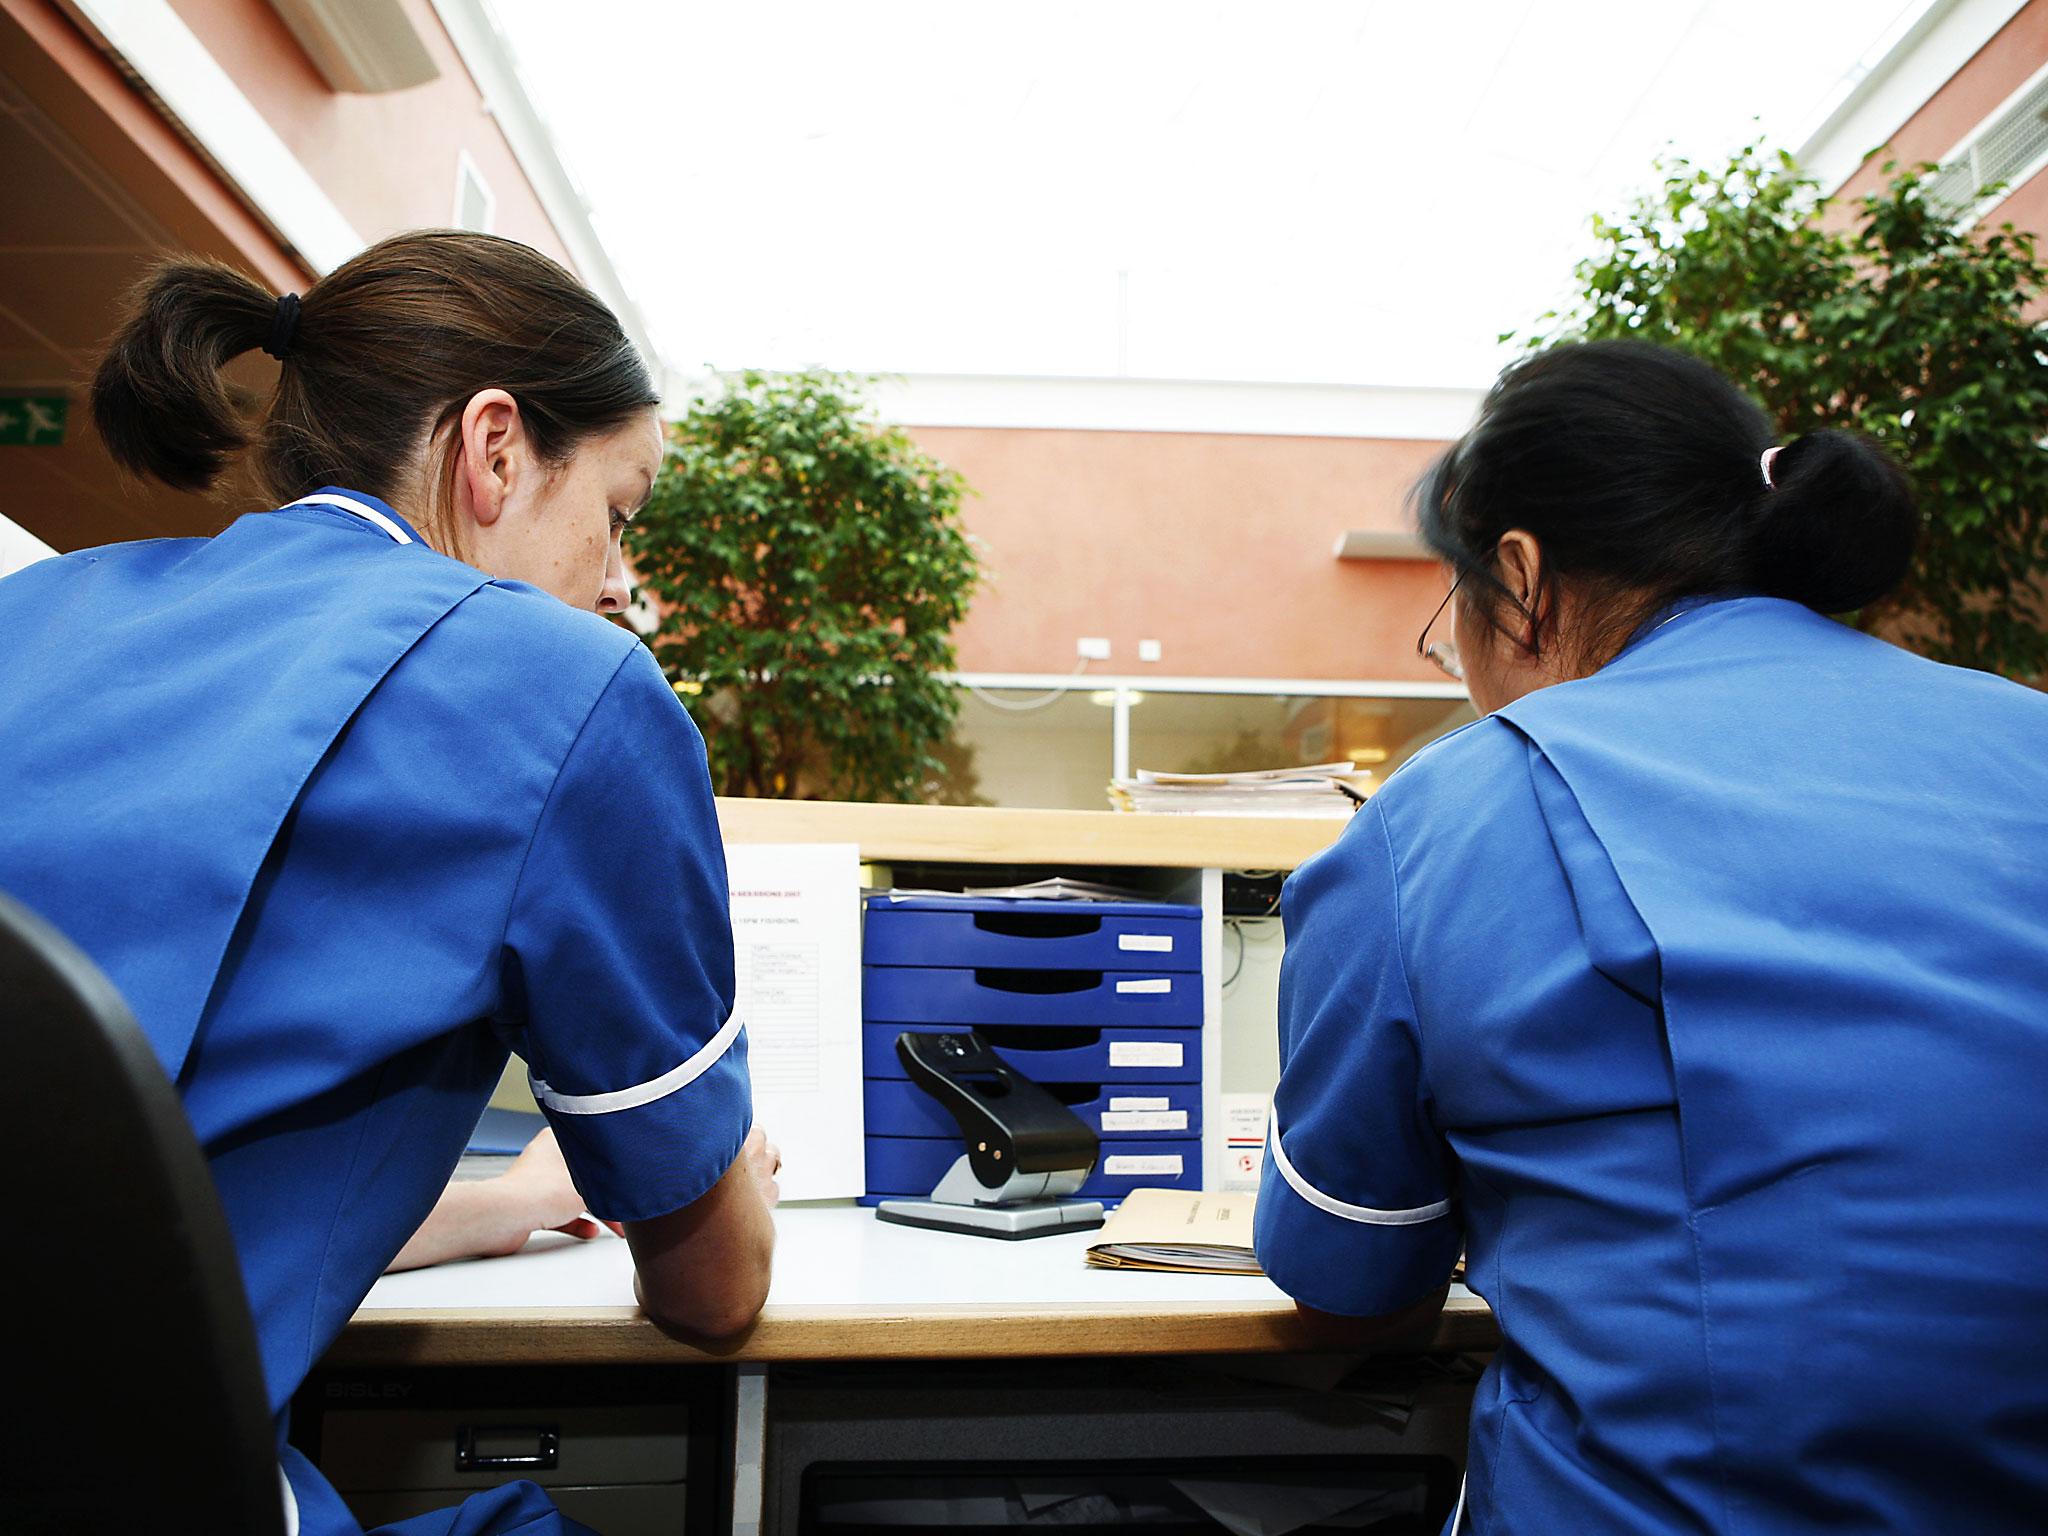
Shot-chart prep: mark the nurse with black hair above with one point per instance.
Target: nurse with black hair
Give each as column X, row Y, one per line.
column 1698, row 992
column 361, row 792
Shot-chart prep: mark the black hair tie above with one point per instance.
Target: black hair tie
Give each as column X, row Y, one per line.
column 282, row 325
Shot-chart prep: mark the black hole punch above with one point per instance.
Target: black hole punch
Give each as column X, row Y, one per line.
column 1037, row 925
column 1037, row 983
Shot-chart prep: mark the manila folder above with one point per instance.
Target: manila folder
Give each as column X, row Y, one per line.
column 1186, row 1231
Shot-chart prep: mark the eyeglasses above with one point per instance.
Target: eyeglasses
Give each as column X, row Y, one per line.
column 1444, row 654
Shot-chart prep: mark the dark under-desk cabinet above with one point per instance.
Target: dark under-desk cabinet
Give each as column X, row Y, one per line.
column 627, row 1450
column 1164, row 1445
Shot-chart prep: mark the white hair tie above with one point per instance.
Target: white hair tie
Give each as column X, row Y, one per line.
column 1764, row 464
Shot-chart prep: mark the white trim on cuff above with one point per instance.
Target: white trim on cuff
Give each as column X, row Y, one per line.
column 1336, row 1207
column 641, row 1093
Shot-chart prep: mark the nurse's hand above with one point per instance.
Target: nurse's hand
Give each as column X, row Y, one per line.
column 484, row 1218
column 763, row 1161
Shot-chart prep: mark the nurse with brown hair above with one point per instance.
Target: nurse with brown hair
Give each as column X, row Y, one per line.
column 362, row 792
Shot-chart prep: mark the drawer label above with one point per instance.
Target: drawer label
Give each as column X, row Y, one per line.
column 1136, row 1101
column 1144, row 1120
column 1145, row 1053
column 1150, row 985
column 1120, row 1164
column 1146, row 943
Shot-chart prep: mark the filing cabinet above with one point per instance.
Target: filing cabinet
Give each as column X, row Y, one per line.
column 630, row 1451
column 1100, row 1002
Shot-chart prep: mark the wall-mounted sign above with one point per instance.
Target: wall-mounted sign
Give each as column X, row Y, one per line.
column 32, row 421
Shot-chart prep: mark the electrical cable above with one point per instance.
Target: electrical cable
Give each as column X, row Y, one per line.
column 1238, row 969
column 1025, row 706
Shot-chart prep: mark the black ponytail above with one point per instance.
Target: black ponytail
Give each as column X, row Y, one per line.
column 1839, row 527
column 159, row 400
column 1638, row 470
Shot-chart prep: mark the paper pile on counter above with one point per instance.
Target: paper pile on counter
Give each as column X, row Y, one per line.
column 1057, row 888
column 1182, row 1231
column 1317, row 789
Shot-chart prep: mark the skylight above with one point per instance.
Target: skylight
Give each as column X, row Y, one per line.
column 1357, row 192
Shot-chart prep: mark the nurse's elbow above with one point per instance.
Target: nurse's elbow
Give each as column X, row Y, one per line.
column 1413, row 1326
column 705, row 1269
column 711, row 1311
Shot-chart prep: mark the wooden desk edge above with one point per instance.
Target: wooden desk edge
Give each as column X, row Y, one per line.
column 389, row 1337
column 1007, row 835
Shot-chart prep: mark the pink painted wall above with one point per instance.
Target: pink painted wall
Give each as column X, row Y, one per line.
column 1219, row 547
column 387, row 160
column 1993, row 73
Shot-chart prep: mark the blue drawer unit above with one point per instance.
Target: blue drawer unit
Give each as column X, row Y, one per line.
column 1033, row 935
column 910, row 1165
column 1060, row 1054
column 1149, row 1111
column 968, row 999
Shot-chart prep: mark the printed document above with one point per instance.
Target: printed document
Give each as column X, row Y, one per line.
column 796, row 948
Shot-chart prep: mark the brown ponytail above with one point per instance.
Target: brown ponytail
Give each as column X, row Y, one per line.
column 162, row 407
column 386, row 351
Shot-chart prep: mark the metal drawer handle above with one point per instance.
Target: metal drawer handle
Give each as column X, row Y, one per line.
column 545, row 1457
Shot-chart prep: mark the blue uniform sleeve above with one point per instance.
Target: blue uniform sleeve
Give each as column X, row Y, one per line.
column 1355, row 1212
column 619, row 964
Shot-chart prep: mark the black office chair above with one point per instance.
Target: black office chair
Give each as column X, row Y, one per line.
column 135, row 1396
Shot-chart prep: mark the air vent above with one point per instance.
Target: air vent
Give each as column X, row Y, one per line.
column 2010, row 146
column 474, row 205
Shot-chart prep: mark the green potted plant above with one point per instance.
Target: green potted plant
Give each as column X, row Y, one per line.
column 808, row 566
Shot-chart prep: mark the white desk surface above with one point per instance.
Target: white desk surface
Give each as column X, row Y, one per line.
column 846, row 1286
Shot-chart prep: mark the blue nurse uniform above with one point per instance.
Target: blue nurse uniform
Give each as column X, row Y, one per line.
column 344, row 819
column 1704, row 1003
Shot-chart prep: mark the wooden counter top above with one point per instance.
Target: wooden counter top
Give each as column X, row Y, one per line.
column 847, row 1287
column 991, row 835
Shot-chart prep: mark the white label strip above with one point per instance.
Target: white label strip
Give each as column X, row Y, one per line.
column 1119, row 1165
column 1151, row 985
column 1145, row 1120
column 1134, row 1101
column 1146, row 943
column 1145, row 1053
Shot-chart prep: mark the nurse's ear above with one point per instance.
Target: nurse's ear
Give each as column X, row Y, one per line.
column 494, row 452
column 1519, row 566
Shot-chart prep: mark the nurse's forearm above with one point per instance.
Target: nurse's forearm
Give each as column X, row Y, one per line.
column 473, row 1219
column 484, row 1218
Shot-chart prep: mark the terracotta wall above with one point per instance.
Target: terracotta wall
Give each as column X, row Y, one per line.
column 1994, row 72
column 97, row 185
column 1220, row 547
column 388, row 161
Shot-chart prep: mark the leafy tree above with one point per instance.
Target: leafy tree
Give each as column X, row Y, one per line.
column 1884, row 314
column 809, row 566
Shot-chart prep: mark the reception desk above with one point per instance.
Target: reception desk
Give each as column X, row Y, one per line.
column 918, row 1354
column 847, row 1287
column 918, row 1359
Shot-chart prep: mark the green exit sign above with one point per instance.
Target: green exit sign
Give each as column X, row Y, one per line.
column 32, row 421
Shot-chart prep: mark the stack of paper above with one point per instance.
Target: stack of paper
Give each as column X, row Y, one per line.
column 1057, row 888
column 1317, row 789
column 1184, row 1231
